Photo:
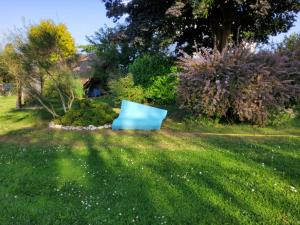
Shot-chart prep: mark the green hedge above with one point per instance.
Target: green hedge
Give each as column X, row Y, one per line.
column 146, row 67
column 86, row 113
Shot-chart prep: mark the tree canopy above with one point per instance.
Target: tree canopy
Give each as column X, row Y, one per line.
column 11, row 69
column 156, row 23
column 48, row 43
column 114, row 53
column 4, row 70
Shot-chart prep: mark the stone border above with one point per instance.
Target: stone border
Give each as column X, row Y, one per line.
column 88, row 128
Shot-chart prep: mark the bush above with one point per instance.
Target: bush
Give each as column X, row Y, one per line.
column 290, row 44
column 124, row 89
column 279, row 118
column 290, row 50
column 67, row 82
column 237, row 85
column 163, row 89
column 192, row 121
column 88, row 113
column 146, row 67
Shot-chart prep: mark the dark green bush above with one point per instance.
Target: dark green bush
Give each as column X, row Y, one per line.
column 146, row 67
column 125, row 89
column 86, row 112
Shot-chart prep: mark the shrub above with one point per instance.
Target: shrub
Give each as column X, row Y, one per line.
column 290, row 50
column 87, row 113
column 163, row 89
column 277, row 118
column 146, row 67
column 290, row 44
column 236, row 84
column 124, row 89
column 192, row 121
column 67, row 82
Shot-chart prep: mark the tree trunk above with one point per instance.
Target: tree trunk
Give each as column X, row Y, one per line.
column 222, row 36
column 42, row 85
column 19, row 96
column 221, row 25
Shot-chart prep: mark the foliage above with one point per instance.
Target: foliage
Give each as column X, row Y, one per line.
column 103, row 76
column 157, row 24
column 237, row 84
column 290, row 43
column 163, row 89
column 152, row 78
column 125, row 89
column 11, row 69
column 201, row 121
column 5, row 76
column 50, row 43
column 112, row 55
column 290, row 47
column 88, row 113
column 87, row 48
column 47, row 49
column 145, row 68
column 283, row 117
column 67, row 82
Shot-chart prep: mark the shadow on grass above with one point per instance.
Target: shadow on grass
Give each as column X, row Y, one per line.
column 143, row 177
column 278, row 154
column 20, row 115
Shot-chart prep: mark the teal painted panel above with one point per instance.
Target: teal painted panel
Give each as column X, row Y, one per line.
column 135, row 116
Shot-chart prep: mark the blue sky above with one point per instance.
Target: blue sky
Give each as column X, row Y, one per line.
column 294, row 29
column 82, row 17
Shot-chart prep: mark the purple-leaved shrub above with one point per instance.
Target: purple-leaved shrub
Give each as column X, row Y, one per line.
column 237, row 84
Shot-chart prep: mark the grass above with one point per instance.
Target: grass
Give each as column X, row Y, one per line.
column 180, row 175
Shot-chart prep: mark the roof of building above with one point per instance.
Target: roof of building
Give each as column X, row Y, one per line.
column 84, row 67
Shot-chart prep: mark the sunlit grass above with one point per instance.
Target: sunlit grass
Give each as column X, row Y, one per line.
column 167, row 177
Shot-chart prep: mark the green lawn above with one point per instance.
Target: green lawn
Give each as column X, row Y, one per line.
column 180, row 175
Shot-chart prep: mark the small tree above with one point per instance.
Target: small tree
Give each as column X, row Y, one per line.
column 48, row 49
column 4, row 73
column 11, row 64
column 290, row 46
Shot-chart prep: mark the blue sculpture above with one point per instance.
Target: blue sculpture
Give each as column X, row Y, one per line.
column 134, row 116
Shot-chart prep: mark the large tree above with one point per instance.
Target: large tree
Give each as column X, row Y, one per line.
column 114, row 53
column 206, row 22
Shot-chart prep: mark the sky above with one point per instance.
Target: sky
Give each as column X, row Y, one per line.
column 294, row 29
column 81, row 17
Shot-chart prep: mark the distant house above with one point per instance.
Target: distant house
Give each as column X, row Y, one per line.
column 6, row 88
column 84, row 67
column 92, row 86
